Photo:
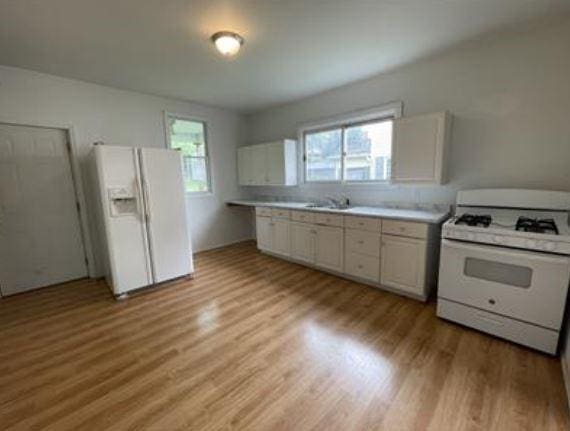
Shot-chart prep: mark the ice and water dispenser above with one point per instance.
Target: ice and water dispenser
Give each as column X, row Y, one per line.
column 122, row 201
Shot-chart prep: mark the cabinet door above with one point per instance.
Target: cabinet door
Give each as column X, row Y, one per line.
column 244, row 166
column 275, row 163
column 403, row 263
column 418, row 148
column 280, row 242
column 264, row 231
column 303, row 242
column 329, row 251
column 258, row 165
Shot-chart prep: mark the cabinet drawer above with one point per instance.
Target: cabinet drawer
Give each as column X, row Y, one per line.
column 362, row 242
column 363, row 266
column 405, row 228
column 328, row 219
column 280, row 213
column 263, row 211
column 302, row 216
column 362, row 223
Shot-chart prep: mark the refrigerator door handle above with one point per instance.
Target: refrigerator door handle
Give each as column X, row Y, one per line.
column 146, row 197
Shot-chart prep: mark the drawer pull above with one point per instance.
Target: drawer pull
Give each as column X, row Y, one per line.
column 360, row 242
column 359, row 266
column 360, row 223
column 492, row 301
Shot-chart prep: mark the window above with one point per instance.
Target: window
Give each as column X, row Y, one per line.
column 189, row 136
column 323, row 155
column 352, row 152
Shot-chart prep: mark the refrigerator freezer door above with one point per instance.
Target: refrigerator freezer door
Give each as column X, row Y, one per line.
column 165, row 205
column 125, row 230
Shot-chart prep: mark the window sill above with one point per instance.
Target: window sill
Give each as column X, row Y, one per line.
column 198, row 194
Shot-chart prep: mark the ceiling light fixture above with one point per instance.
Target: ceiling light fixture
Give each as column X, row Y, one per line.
column 227, row 42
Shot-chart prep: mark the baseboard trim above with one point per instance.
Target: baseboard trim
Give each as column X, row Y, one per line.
column 348, row 276
column 225, row 244
column 566, row 376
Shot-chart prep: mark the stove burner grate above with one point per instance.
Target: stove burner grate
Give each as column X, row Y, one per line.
column 527, row 224
column 474, row 220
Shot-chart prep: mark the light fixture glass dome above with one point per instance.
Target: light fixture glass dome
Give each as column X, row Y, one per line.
column 227, row 42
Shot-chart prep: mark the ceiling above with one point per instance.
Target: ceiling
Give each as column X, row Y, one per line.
column 293, row 48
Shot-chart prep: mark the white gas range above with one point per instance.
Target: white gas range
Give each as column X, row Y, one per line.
column 505, row 264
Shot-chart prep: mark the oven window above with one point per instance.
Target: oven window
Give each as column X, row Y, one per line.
column 498, row 272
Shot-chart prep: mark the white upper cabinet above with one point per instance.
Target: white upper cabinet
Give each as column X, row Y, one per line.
column 245, row 176
column 419, row 148
column 273, row 163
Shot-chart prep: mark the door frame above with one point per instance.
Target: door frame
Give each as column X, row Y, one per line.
column 76, row 177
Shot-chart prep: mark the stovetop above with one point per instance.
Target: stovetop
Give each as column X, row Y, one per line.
column 524, row 229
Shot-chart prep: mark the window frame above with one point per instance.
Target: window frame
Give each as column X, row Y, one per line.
column 390, row 111
column 206, row 156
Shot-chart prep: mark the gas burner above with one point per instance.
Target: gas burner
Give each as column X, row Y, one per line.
column 527, row 224
column 474, row 220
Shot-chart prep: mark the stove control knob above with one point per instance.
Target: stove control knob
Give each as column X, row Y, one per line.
column 469, row 237
column 497, row 239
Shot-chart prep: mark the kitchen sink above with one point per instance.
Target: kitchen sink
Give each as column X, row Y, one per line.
column 329, row 207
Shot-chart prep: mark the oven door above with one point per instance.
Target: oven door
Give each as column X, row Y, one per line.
column 529, row 286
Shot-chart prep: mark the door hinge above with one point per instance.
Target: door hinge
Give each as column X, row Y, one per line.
column 78, row 206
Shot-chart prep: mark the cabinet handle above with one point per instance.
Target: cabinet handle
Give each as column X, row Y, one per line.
column 359, row 266
column 360, row 242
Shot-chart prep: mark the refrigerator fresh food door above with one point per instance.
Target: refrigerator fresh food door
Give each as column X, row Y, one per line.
column 120, row 189
column 165, row 206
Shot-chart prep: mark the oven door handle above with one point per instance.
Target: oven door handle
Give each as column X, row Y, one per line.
column 535, row 256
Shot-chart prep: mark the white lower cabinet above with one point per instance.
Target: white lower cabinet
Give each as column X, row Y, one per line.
column 303, row 239
column 280, row 240
column 400, row 255
column 329, row 248
column 362, row 266
column 403, row 263
column 264, row 233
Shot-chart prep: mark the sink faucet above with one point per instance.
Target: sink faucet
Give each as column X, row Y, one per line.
column 343, row 202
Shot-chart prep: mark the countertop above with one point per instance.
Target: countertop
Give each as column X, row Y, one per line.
column 417, row 215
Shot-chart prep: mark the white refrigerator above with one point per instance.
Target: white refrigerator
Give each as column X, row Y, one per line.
column 143, row 232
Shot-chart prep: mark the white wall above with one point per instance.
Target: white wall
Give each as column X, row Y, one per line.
column 119, row 117
column 510, row 97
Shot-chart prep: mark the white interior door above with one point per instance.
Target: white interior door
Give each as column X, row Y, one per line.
column 163, row 187
column 40, row 234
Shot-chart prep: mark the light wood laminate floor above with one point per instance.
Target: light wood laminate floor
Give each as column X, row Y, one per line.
column 257, row 343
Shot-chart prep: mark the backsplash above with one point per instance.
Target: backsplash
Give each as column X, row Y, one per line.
column 387, row 196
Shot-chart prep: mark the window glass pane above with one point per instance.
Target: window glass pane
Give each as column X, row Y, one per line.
column 195, row 174
column 323, row 152
column 188, row 136
column 368, row 151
